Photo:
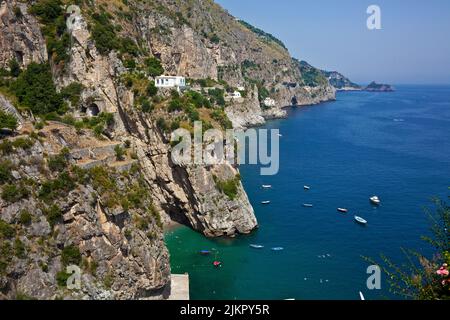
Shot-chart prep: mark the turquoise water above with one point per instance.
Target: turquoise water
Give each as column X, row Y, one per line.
column 394, row 145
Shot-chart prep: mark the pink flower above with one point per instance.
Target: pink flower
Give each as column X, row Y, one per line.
column 443, row 272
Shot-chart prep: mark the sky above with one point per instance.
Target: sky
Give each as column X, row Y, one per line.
column 413, row 46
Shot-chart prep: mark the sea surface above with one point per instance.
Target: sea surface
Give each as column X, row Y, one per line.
column 394, row 145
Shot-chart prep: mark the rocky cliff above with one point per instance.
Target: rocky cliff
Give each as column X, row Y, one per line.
column 115, row 181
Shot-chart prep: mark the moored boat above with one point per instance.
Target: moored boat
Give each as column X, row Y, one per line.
column 277, row 249
column 308, row 205
column 205, row 252
column 360, row 220
column 265, row 202
column 256, row 246
column 266, row 186
column 343, row 210
column 307, row 187
column 375, row 200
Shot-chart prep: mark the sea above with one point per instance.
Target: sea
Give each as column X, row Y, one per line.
column 393, row 145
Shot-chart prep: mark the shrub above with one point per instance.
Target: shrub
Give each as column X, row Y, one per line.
column 7, row 121
column 175, row 105
column 154, row 67
column 73, row 93
column 14, row 68
column 6, row 147
column 162, row 124
column 13, row 193
column 127, row 45
column 147, row 106
column 52, row 189
column 53, row 215
column 70, row 256
column 104, row 33
column 19, row 249
column 23, row 143
column 36, row 91
column 62, row 277
column 59, row 162
column 120, row 153
column 6, row 230
column 5, row 171
column 217, row 96
column 228, row 187
column 25, row 217
column 152, row 90
column 17, row 12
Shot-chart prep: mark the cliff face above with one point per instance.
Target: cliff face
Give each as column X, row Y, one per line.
column 20, row 35
column 120, row 244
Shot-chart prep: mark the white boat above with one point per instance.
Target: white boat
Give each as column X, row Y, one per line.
column 375, row 200
column 280, row 135
column 307, row 187
column 360, row 220
column 308, row 205
column 265, row 202
column 278, row 249
column 342, row 210
column 256, row 246
column 362, row 296
column 266, row 186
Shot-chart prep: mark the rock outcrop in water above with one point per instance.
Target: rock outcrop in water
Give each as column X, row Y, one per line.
column 96, row 190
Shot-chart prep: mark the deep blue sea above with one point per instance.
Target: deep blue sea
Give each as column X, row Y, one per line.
column 394, row 145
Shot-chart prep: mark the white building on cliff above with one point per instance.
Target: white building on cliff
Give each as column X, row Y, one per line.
column 170, row 82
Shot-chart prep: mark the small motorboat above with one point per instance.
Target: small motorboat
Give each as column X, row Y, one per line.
column 342, row 210
column 256, row 246
column 217, row 264
column 375, row 200
column 265, row 202
column 205, row 252
column 307, row 187
column 360, row 220
column 278, row 249
column 266, row 186
column 308, row 205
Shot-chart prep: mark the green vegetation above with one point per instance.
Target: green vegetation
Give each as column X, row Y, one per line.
column 51, row 14
column 70, row 255
column 36, row 91
column 5, row 171
column 59, row 187
column 6, row 230
column 61, row 278
column 53, row 215
column 14, row 68
column 104, row 33
column 59, row 162
column 14, row 192
column 154, row 67
column 73, row 93
column 19, row 249
column 25, row 217
column 228, row 187
column 422, row 278
column 311, row 76
column 6, row 254
column 120, row 153
column 262, row 34
column 7, row 121
column 221, row 117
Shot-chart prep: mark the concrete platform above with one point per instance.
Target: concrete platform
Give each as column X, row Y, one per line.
column 179, row 289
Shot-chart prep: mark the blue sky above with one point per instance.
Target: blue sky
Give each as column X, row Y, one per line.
column 413, row 46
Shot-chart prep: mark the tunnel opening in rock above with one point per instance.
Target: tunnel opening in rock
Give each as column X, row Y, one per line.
column 294, row 101
column 93, row 110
